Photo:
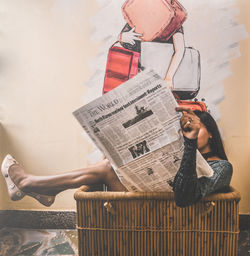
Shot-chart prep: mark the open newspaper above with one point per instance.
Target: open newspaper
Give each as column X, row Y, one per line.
column 138, row 129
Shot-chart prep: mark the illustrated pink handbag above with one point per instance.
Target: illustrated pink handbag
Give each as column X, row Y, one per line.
column 154, row 18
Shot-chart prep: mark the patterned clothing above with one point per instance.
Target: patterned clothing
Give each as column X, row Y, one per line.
column 188, row 189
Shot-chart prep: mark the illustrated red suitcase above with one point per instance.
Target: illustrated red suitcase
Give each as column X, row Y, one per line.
column 154, row 19
column 122, row 64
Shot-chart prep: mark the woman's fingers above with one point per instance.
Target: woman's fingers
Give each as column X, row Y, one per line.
column 134, row 33
column 133, row 29
column 192, row 118
column 136, row 36
column 130, row 37
column 187, row 123
column 186, row 126
column 190, row 123
column 131, row 42
column 181, row 109
column 185, row 110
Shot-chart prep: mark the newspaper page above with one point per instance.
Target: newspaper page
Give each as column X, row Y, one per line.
column 137, row 128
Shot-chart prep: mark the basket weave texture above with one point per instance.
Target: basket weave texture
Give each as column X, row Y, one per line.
column 145, row 223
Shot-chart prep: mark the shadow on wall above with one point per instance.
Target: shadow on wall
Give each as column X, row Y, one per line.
column 7, row 143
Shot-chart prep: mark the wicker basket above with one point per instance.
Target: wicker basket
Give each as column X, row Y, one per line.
column 127, row 223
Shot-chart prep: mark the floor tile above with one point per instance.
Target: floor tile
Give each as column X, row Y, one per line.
column 20, row 242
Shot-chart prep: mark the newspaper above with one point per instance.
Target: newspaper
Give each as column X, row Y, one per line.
column 138, row 129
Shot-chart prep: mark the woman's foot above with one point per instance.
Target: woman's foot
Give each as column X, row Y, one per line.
column 19, row 183
column 25, row 183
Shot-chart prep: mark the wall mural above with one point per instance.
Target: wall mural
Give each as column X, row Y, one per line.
column 209, row 28
column 185, row 40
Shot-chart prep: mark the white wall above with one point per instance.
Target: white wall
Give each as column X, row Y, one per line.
column 44, row 64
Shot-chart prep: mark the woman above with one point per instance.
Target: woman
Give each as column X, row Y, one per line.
column 199, row 130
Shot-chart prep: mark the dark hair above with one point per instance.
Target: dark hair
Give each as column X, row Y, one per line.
column 215, row 142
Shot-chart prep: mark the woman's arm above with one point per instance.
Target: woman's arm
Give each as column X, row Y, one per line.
column 179, row 49
column 221, row 178
column 186, row 186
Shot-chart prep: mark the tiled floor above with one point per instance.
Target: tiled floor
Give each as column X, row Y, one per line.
column 20, row 242
column 244, row 243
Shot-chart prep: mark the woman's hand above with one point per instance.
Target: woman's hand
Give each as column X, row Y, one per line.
column 190, row 123
column 130, row 36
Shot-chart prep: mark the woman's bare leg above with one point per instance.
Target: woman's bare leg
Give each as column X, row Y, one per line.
column 102, row 173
